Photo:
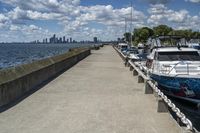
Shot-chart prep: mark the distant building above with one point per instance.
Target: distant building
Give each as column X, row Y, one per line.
column 95, row 40
column 67, row 40
column 64, row 39
column 57, row 40
column 60, row 40
column 70, row 40
column 50, row 40
column 54, row 38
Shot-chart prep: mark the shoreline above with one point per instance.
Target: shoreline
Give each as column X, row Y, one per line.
column 17, row 81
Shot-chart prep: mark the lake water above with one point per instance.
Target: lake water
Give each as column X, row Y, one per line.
column 190, row 111
column 16, row 54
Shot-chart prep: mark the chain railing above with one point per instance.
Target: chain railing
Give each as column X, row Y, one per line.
column 173, row 107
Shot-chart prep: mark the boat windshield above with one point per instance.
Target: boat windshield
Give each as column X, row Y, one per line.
column 179, row 56
column 133, row 51
column 124, row 47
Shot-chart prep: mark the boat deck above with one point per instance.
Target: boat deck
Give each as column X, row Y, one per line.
column 98, row 95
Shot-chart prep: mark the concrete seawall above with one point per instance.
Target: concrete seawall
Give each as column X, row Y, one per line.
column 17, row 81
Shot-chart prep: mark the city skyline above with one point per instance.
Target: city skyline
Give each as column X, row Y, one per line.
column 22, row 20
column 56, row 40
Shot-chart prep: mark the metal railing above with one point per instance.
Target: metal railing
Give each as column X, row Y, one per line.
column 171, row 67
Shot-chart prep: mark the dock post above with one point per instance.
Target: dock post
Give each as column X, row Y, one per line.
column 140, row 79
column 148, row 89
column 162, row 107
column 126, row 61
column 135, row 73
column 131, row 68
column 128, row 64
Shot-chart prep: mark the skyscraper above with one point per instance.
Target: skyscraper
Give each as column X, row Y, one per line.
column 60, row 40
column 54, row 38
column 70, row 40
column 95, row 40
column 64, row 39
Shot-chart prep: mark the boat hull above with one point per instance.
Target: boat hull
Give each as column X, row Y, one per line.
column 185, row 87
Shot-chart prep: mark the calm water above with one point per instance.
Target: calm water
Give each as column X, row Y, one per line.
column 191, row 112
column 16, row 54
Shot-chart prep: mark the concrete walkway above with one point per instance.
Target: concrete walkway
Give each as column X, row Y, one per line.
column 98, row 95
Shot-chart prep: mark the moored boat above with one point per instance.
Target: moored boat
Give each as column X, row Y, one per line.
column 123, row 47
column 132, row 54
column 176, row 71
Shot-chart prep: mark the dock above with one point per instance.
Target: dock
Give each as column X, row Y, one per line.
column 97, row 95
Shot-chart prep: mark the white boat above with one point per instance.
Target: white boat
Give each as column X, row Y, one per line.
column 176, row 71
column 123, row 47
column 132, row 54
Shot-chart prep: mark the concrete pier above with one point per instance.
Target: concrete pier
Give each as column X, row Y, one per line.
column 98, row 95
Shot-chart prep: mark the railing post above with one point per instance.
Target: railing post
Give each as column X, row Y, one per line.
column 128, row 64
column 148, row 89
column 140, row 79
column 162, row 107
column 131, row 68
column 135, row 73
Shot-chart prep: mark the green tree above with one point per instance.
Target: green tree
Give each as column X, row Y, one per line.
column 162, row 30
column 127, row 36
column 142, row 34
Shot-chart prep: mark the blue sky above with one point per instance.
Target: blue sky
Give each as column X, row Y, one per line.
column 28, row 20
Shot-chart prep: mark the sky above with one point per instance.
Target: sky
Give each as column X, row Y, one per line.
column 29, row 20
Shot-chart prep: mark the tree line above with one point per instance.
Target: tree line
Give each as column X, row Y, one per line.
column 141, row 35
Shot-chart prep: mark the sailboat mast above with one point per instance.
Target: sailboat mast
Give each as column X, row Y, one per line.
column 125, row 28
column 125, row 25
column 131, row 22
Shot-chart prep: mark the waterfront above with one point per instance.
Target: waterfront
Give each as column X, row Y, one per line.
column 97, row 95
column 17, row 54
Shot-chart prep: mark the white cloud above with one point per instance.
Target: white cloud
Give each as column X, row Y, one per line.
column 157, row 9
column 178, row 16
column 3, row 21
column 14, row 28
column 19, row 14
column 70, row 15
column 3, row 18
column 82, row 22
column 160, row 14
column 109, row 16
column 194, row 1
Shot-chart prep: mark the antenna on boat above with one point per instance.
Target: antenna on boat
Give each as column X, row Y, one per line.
column 131, row 21
column 125, row 24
